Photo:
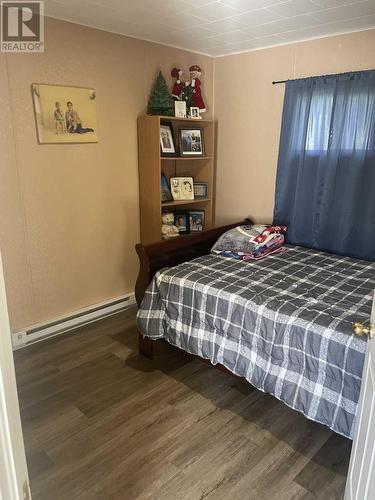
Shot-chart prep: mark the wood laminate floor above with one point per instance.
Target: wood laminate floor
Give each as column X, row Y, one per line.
column 100, row 422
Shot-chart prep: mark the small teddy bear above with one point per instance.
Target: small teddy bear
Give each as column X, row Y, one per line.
column 168, row 229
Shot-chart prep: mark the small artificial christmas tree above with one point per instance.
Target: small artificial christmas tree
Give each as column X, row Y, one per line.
column 187, row 95
column 160, row 101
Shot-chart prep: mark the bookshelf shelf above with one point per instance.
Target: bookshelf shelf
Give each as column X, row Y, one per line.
column 185, row 158
column 184, row 202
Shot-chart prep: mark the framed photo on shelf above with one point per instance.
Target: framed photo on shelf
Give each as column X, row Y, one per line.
column 181, row 221
column 191, row 142
column 166, row 194
column 196, row 220
column 200, row 190
column 167, row 147
column 180, row 109
column 182, row 188
column 194, row 113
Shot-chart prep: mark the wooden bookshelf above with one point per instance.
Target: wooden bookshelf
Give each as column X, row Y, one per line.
column 151, row 164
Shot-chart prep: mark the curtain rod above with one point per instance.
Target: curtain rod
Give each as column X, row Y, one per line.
column 335, row 74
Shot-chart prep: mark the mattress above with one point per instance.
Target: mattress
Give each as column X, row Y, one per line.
column 283, row 323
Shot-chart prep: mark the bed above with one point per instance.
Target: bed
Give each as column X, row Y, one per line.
column 283, row 323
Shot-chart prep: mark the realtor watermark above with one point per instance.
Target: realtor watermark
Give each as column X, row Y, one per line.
column 22, row 26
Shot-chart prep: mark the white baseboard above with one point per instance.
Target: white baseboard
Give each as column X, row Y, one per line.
column 67, row 323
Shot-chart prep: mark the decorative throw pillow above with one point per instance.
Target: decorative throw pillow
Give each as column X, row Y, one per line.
column 250, row 242
column 239, row 239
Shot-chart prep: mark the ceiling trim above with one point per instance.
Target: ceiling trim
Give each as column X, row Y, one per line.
column 301, row 40
column 91, row 26
column 219, row 56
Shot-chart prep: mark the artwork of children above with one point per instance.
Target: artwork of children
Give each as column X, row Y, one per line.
column 64, row 114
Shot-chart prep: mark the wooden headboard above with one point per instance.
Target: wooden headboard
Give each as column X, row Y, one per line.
column 169, row 253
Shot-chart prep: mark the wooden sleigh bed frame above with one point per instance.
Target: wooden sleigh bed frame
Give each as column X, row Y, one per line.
column 168, row 253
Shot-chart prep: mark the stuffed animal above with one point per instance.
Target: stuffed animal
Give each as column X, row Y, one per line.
column 168, row 229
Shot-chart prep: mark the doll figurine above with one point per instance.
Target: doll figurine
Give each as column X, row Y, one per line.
column 178, row 84
column 195, row 83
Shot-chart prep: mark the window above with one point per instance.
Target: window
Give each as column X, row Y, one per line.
column 319, row 123
column 353, row 125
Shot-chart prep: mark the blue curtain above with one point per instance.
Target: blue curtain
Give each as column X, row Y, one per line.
column 325, row 186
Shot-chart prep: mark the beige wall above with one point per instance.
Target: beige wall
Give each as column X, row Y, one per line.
column 248, row 110
column 69, row 213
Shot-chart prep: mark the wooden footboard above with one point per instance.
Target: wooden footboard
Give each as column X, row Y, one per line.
column 169, row 253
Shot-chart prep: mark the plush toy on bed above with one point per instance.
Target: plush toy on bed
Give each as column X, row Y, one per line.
column 168, row 229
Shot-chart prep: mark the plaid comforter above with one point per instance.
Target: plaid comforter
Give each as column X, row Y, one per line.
column 284, row 323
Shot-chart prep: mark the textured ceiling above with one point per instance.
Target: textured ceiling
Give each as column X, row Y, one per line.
column 219, row 27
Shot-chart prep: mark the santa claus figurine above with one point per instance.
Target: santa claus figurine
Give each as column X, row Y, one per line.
column 178, row 84
column 195, row 73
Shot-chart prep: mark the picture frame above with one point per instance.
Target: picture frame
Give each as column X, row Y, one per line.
column 181, row 221
column 194, row 113
column 180, row 109
column 167, row 145
column 182, row 188
column 196, row 220
column 166, row 194
column 64, row 114
column 200, row 190
column 191, row 141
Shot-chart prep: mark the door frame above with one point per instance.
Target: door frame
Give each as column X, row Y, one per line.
column 361, row 473
column 14, row 481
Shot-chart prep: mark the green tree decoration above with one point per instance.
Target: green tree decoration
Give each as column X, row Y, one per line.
column 160, row 101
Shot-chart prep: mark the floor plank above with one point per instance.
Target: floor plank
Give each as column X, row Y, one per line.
column 100, row 422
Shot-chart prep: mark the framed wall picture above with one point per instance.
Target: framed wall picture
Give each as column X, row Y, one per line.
column 182, row 188
column 181, row 221
column 167, row 147
column 165, row 191
column 200, row 190
column 196, row 220
column 64, row 114
column 191, row 142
